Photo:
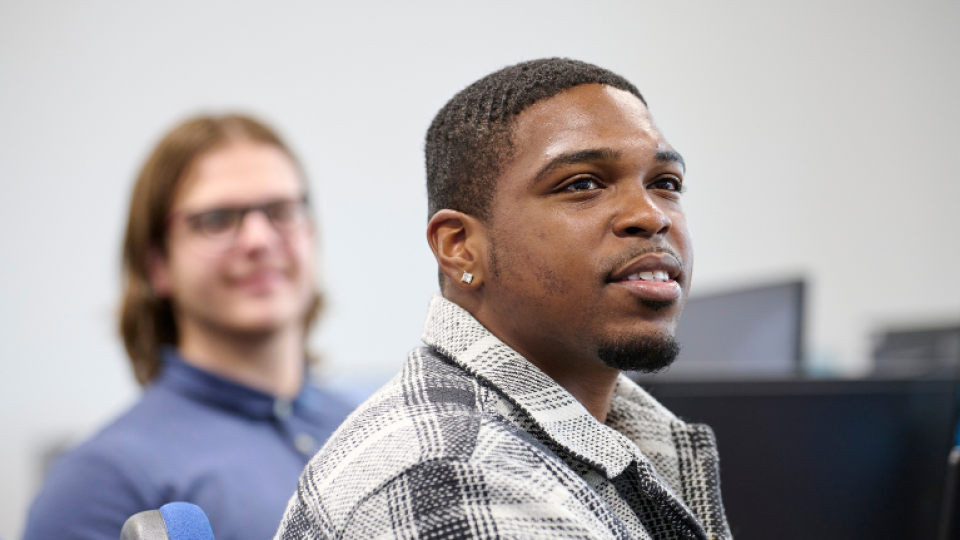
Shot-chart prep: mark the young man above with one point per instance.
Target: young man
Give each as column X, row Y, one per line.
column 219, row 296
column 565, row 258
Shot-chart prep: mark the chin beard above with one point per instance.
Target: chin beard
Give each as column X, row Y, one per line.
column 647, row 354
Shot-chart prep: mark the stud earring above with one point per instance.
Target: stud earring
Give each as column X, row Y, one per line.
column 467, row 278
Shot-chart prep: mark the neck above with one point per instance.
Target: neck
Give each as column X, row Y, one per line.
column 587, row 378
column 271, row 362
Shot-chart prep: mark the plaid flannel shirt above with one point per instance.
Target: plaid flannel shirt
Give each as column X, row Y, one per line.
column 473, row 441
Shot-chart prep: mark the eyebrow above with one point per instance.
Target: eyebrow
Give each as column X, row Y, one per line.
column 579, row 156
column 670, row 156
column 602, row 154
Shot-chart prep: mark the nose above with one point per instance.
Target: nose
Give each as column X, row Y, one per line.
column 641, row 214
column 256, row 231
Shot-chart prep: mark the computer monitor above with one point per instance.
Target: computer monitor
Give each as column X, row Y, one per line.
column 831, row 460
column 754, row 332
column 918, row 351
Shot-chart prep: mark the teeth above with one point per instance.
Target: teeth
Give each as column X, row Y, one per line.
column 657, row 275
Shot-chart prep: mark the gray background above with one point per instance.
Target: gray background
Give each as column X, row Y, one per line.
column 821, row 139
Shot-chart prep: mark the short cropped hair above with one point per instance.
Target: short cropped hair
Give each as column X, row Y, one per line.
column 147, row 321
column 469, row 140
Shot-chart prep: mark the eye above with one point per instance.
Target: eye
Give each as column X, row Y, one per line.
column 585, row 183
column 284, row 212
column 668, row 183
column 217, row 221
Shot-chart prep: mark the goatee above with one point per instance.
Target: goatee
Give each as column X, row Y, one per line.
column 647, row 354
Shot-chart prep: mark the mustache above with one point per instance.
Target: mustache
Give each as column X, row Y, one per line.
column 615, row 262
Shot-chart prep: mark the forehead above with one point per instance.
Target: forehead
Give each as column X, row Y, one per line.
column 588, row 116
column 239, row 172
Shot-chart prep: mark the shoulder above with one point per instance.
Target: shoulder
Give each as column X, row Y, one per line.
column 148, row 428
column 129, row 453
column 510, row 487
column 92, row 489
column 521, row 493
column 447, row 497
column 126, row 445
column 431, row 410
column 128, row 436
column 432, row 428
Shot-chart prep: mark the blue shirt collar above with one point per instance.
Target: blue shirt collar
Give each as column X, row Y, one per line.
column 182, row 378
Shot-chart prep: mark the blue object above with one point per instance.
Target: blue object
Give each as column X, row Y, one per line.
column 194, row 437
column 186, row 521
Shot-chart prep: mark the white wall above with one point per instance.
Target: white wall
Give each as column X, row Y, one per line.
column 821, row 139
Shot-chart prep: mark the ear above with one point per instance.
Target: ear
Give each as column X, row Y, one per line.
column 158, row 268
column 459, row 244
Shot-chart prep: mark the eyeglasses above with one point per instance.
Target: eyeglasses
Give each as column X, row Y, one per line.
column 218, row 227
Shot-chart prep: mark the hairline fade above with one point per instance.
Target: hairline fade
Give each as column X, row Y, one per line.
column 469, row 140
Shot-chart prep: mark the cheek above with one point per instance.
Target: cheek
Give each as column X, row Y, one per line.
column 534, row 264
column 304, row 256
column 194, row 273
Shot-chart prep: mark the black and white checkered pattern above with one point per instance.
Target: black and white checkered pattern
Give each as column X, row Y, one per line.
column 473, row 441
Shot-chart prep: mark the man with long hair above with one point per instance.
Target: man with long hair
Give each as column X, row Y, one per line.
column 219, row 296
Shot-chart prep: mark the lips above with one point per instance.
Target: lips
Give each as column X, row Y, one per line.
column 652, row 276
column 262, row 280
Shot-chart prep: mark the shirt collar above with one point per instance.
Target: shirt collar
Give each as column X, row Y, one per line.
column 197, row 384
column 458, row 335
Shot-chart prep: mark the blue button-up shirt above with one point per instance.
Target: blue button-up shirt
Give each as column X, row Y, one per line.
column 195, row 437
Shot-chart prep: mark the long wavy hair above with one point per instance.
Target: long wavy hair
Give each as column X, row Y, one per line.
column 147, row 321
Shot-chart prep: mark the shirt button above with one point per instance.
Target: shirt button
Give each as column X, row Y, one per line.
column 282, row 408
column 305, row 444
